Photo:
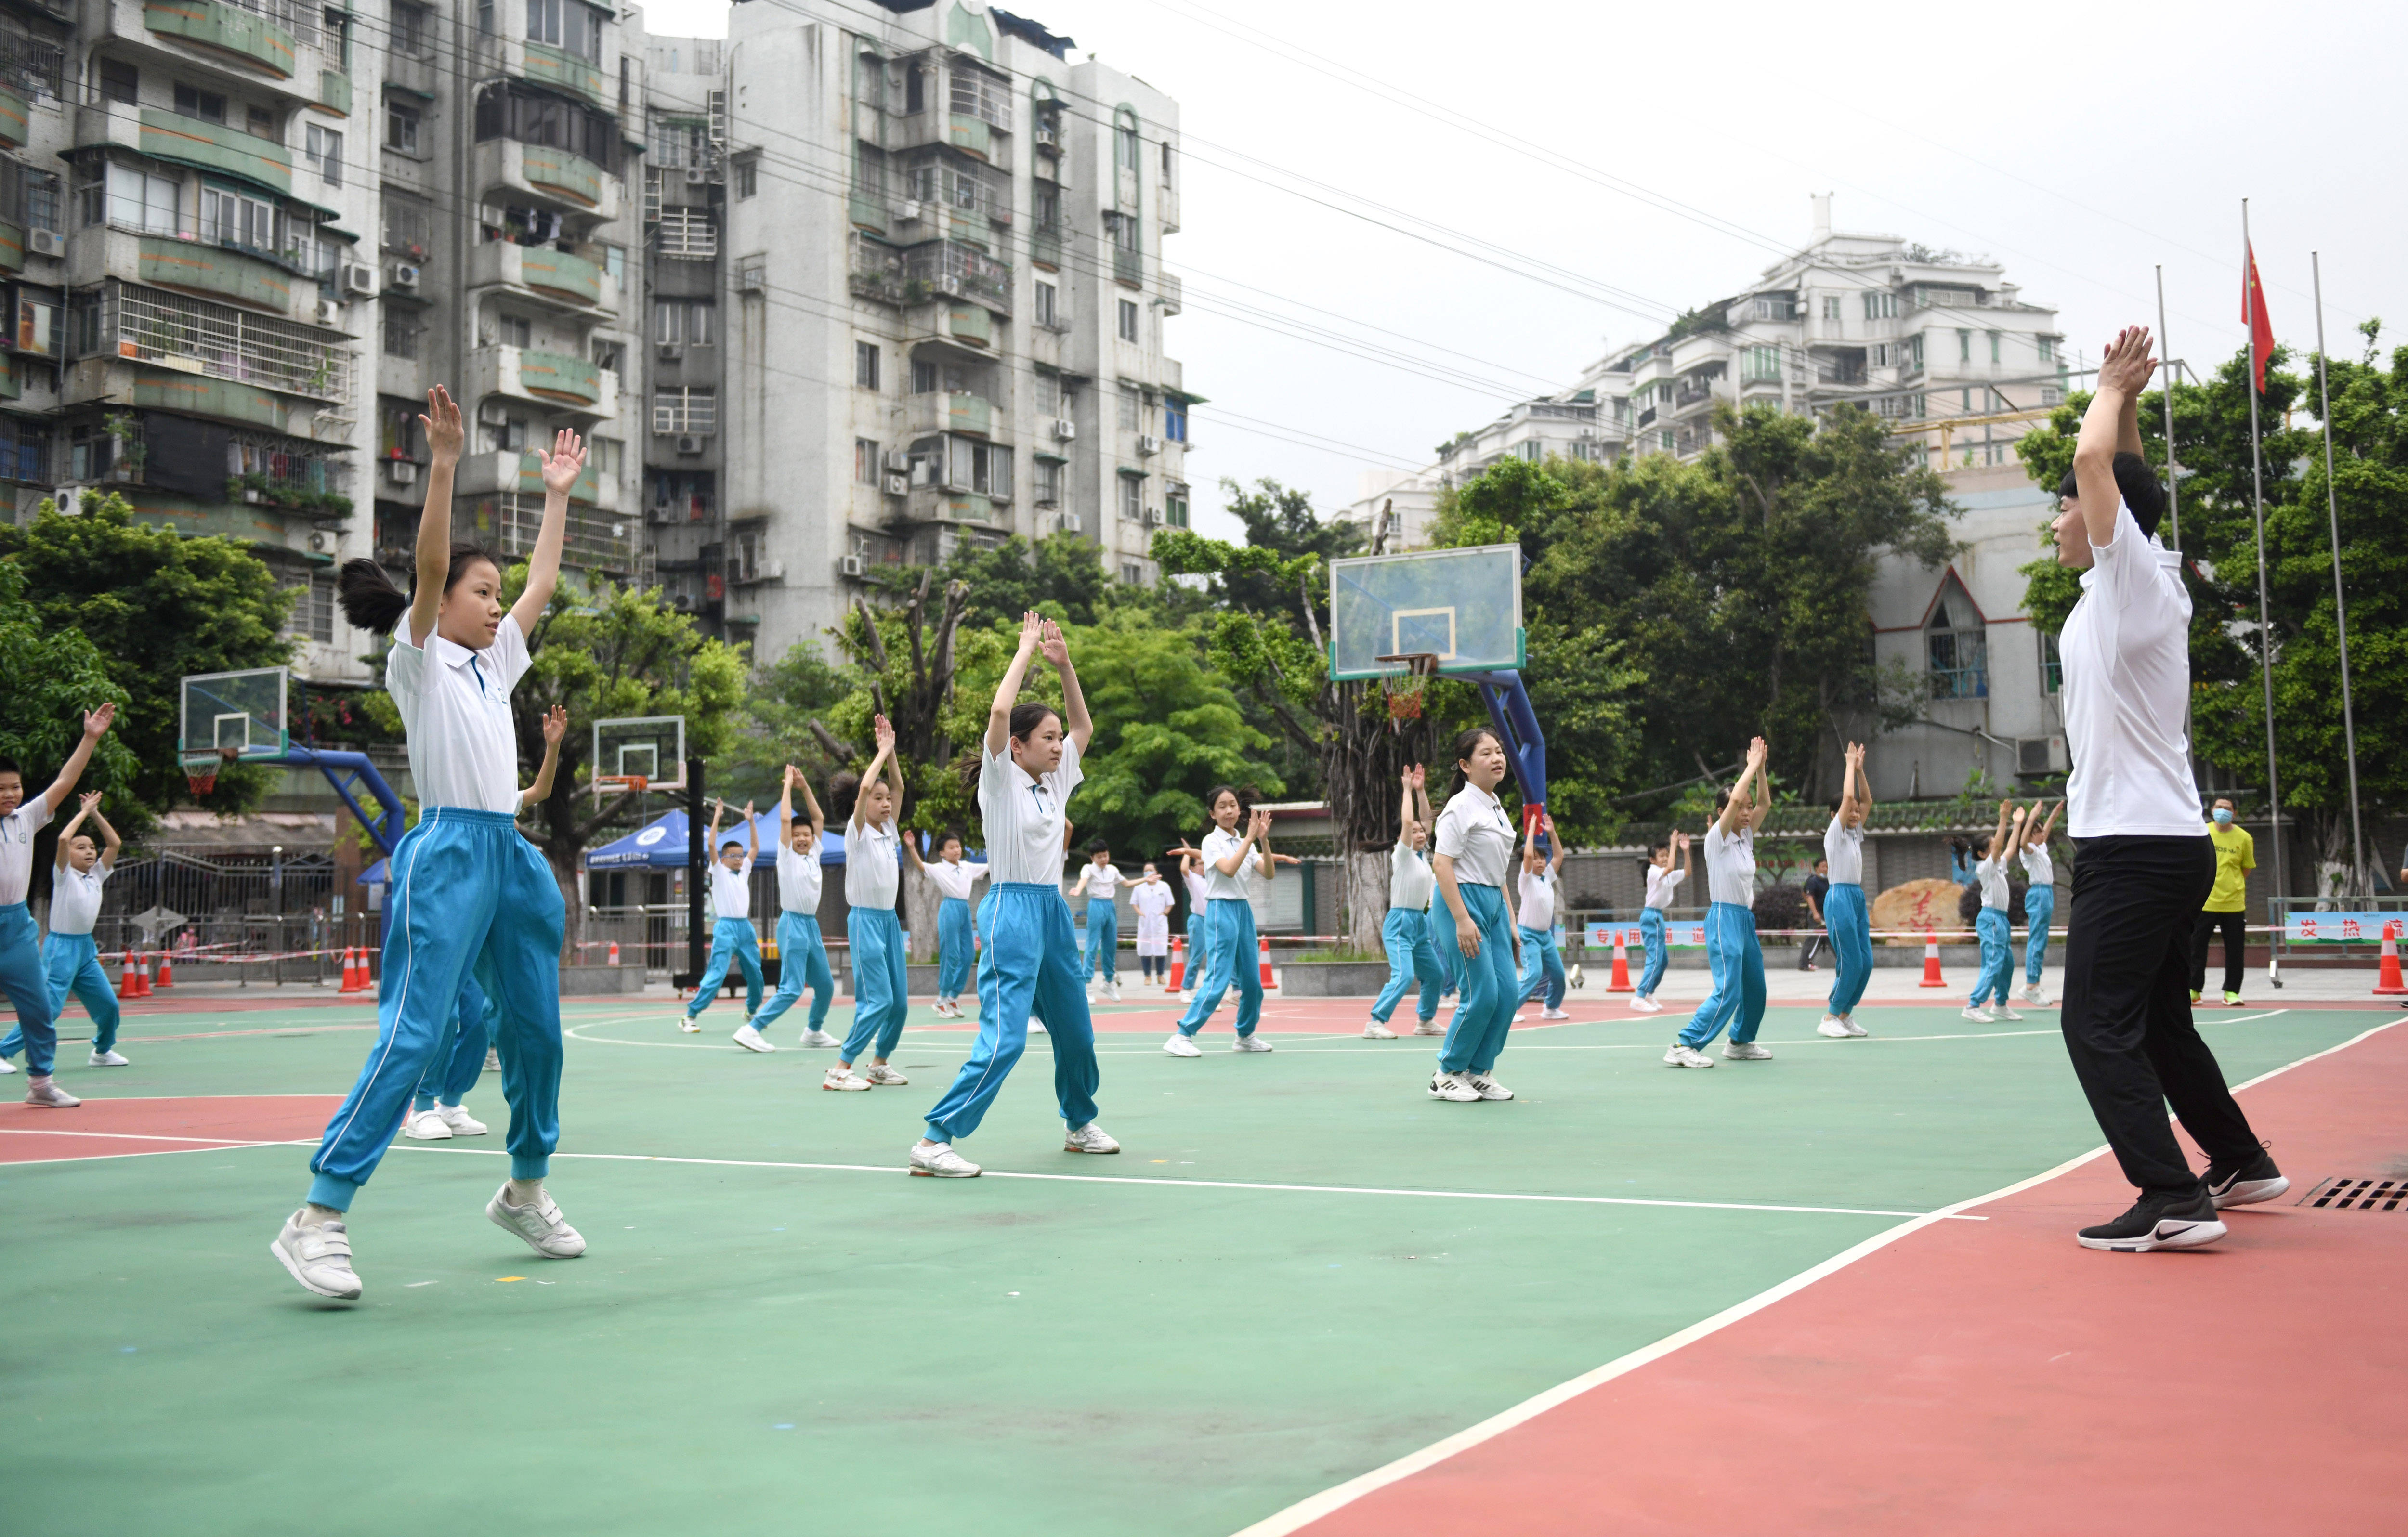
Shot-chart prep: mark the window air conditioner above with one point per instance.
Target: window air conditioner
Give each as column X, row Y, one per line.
column 689, row 443
column 897, row 459
column 1067, row 523
column 401, row 472
column 360, row 278
column 1149, row 445
column 405, row 277
column 852, row 565
column 899, row 483
column 1065, row 429
column 46, row 242
column 671, row 351
column 328, row 312
column 493, row 413
column 1045, row 136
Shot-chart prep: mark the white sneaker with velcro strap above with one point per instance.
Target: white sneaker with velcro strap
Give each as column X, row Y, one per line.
column 319, row 1258
column 539, row 1223
column 1089, row 1138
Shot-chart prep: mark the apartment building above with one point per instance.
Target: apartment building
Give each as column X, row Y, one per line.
column 907, row 293
column 240, row 237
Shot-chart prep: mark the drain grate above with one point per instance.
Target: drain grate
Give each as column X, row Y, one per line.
column 2343, row 1193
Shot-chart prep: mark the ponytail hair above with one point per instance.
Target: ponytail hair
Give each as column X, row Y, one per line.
column 844, row 793
column 371, row 602
column 1466, row 742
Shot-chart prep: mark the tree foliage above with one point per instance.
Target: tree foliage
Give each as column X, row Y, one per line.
column 156, row 606
column 50, row 677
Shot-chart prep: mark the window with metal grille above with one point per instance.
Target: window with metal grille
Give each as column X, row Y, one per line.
column 683, row 322
column 568, row 26
column 176, row 330
column 687, row 235
column 25, row 451
column 412, row 29
column 314, row 607
column 1049, row 482
column 978, row 94
column 1881, row 306
column 1957, row 647
column 685, row 409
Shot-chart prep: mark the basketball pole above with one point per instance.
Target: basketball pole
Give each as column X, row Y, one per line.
column 696, row 862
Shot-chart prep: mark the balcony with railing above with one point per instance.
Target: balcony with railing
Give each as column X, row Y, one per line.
column 230, row 360
column 1174, row 292
column 549, row 380
column 1690, row 395
column 980, row 115
column 960, row 190
column 953, row 411
column 187, row 141
column 596, row 540
column 277, row 37
column 546, row 273
column 875, row 270
column 965, row 272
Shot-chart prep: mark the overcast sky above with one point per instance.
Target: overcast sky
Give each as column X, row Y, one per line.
column 2078, row 144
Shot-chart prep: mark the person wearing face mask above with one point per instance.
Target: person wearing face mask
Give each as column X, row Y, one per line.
column 2228, row 904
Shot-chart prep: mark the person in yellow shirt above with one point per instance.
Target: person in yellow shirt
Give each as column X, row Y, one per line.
column 2228, row 904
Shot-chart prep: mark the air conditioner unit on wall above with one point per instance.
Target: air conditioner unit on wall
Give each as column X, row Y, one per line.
column 2038, row 756
column 1149, row 445
column 1065, row 429
column 46, row 242
column 695, row 176
column 671, row 351
column 493, row 413
column 359, row 277
column 1067, row 523
column 851, row 566
column 897, row 459
column 401, row 472
column 405, row 277
column 689, row 443
column 899, row 483
column 328, row 312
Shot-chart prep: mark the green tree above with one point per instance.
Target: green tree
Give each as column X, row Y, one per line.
column 50, row 677
column 1279, row 521
column 1061, row 573
column 773, row 727
column 157, row 607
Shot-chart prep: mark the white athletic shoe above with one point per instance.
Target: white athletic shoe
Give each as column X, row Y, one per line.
column 1855, row 1030
column 319, row 1258
column 1113, row 989
column 751, row 1039
column 1832, row 1026
column 1089, row 1138
column 844, row 1078
column 1574, row 978
column 687, row 1024
column 1555, row 1014
column 1453, row 1086
column 1429, row 1027
column 880, row 1073
column 1250, row 1043
column 945, row 1009
column 940, row 1160
column 107, row 1058
column 493, row 1060
column 2031, row 993
column 1186, row 995
column 6, row 1067
column 818, row 1038
column 462, row 1124
column 540, row 1224
column 1682, row 1055
column 1746, row 1051
column 43, row 1094
column 1979, row 1015
column 1646, row 1005
column 1037, row 1027
column 427, row 1126
column 2001, row 1011
column 1179, row 1045
column 1378, row 1031
column 1488, row 1088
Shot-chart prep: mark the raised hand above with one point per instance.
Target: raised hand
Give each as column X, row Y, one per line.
column 1032, row 631
column 793, row 776
column 96, row 723
column 1756, row 753
column 884, row 731
column 555, row 725
column 564, row 465
column 88, row 802
column 1057, row 649
column 2127, row 366
column 1417, row 775
column 445, row 436
column 748, row 811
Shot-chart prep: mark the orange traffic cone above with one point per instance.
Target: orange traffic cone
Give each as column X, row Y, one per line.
column 614, row 952
column 127, row 981
column 1178, row 965
column 1621, row 982
column 353, row 981
column 1268, row 980
column 142, row 978
column 167, row 973
column 2386, row 980
column 1931, row 978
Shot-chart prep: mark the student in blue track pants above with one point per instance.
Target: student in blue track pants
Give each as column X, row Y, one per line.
column 733, row 940
column 873, row 877
column 1846, row 917
column 1997, row 947
column 1475, row 849
column 1028, row 766
column 438, row 1112
column 1737, row 1001
column 1662, row 882
column 954, row 878
column 1229, row 921
column 1099, row 884
column 1543, row 959
column 70, row 963
column 1405, row 933
column 24, row 978
column 2040, row 897
column 469, row 894
column 802, row 953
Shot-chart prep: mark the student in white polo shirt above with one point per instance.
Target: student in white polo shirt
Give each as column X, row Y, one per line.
column 1475, row 848
column 1535, row 915
column 874, row 846
column 21, row 976
column 802, row 952
column 1028, row 766
column 68, row 958
column 1734, row 958
column 954, row 878
column 1405, row 933
column 733, row 941
column 468, row 890
column 2142, row 862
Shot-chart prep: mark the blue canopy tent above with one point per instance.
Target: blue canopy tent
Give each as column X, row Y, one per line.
column 661, row 844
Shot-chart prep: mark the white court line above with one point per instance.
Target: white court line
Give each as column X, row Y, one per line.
column 1800, row 1041
column 136, row 1136
column 1200, row 1184
column 1305, row 1511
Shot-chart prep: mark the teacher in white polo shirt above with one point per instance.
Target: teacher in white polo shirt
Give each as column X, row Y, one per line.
column 2141, row 864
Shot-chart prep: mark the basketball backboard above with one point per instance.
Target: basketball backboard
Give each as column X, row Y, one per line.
column 650, row 747
column 1462, row 605
column 242, row 711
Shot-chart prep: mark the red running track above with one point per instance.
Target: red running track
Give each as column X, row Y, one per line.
column 117, row 1127
column 1994, row 1377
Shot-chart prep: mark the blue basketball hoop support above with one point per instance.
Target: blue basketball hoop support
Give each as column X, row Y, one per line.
column 349, row 772
column 1517, row 728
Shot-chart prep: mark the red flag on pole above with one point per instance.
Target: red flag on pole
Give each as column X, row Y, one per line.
column 2253, row 314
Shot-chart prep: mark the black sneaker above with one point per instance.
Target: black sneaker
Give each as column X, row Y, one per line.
column 2245, row 1183
column 2157, row 1222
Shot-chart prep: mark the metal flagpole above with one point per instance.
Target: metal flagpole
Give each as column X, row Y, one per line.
column 2173, row 512
column 2358, row 868
column 2265, row 622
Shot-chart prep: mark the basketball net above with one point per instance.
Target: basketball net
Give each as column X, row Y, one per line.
column 1404, row 690
column 203, row 777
